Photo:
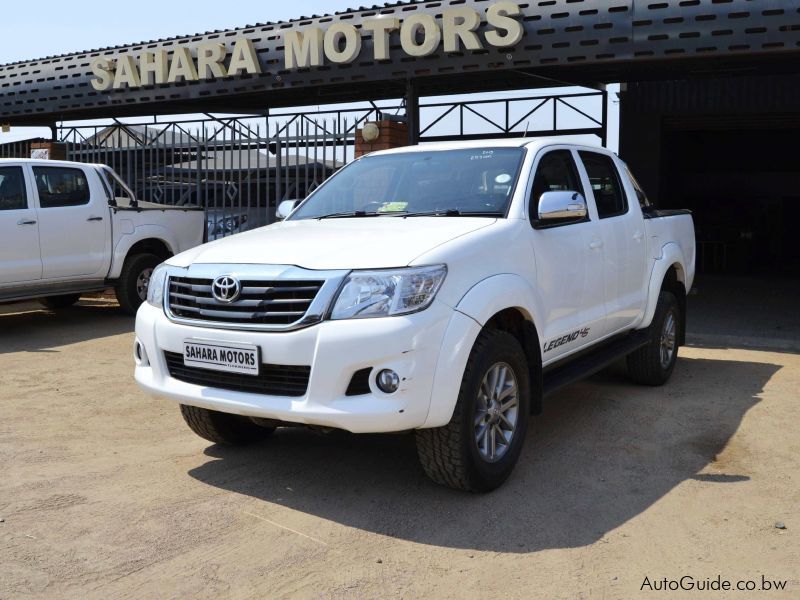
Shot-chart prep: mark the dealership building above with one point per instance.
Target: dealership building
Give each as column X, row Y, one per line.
column 709, row 103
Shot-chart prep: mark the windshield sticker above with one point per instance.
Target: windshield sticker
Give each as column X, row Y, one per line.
column 485, row 155
column 390, row 207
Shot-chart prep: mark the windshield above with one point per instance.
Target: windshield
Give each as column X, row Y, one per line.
column 475, row 182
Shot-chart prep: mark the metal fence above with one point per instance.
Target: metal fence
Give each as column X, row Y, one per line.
column 21, row 149
column 239, row 168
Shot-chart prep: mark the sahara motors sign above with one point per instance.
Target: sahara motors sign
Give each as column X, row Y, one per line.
column 460, row 29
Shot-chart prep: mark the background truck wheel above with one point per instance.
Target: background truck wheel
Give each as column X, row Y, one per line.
column 653, row 364
column 477, row 450
column 59, row 302
column 223, row 428
column 131, row 289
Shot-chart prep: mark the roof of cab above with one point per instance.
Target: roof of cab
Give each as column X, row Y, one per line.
column 531, row 143
column 44, row 162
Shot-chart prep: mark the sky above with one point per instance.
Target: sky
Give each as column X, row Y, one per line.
column 59, row 27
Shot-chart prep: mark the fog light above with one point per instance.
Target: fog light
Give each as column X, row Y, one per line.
column 140, row 355
column 388, row 381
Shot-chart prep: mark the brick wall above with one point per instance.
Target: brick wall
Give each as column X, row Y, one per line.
column 57, row 151
column 393, row 135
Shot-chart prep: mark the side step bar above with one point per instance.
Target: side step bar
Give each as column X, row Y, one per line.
column 590, row 363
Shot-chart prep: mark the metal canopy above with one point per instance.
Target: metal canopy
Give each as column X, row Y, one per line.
column 566, row 41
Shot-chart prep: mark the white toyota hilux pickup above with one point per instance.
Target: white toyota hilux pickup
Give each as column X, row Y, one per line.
column 71, row 228
column 445, row 289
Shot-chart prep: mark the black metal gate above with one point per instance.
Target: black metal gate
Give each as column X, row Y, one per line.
column 239, row 168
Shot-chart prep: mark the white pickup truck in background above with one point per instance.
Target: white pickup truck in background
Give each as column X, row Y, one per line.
column 70, row 228
column 444, row 288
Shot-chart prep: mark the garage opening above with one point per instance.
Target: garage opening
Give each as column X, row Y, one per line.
column 743, row 186
column 742, row 182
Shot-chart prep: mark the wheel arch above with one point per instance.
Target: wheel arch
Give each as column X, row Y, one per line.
column 519, row 323
column 675, row 282
column 152, row 244
column 669, row 274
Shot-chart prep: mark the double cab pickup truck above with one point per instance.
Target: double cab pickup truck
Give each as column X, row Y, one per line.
column 440, row 289
column 70, row 228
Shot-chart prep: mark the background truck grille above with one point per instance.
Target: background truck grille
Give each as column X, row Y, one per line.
column 261, row 302
column 274, row 380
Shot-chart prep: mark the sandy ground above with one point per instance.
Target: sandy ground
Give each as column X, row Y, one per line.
column 106, row 494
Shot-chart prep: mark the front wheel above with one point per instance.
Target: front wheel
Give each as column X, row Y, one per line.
column 134, row 281
column 223, row 428
column 477, row 450
column 653, row 364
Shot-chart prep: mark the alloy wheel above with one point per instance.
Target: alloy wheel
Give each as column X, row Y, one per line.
column 496, row 412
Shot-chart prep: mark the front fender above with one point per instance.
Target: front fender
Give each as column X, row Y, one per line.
column 474, row 310
column 497, row 293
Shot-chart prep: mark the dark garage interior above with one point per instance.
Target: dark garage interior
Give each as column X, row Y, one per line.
column 742, row 186
column 727, row 149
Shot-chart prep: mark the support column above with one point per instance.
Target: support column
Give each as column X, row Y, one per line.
column 412, row 111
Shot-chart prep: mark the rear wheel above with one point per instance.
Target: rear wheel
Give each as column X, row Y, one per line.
column 223, row 428
column 653, row 364
column 61, row 302
column 131, row 289
column 477, row 450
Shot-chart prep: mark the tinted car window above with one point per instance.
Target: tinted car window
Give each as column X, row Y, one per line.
column 606, row 185
column 61, row 186
column 644, row 202
column 12, row 189
column 555, row 172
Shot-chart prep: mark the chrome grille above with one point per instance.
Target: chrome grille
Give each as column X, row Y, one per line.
column 262, row 302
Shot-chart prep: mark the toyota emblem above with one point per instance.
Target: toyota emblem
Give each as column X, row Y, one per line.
column 226, row 288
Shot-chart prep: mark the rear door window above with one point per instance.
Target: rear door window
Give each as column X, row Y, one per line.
column 12, row 189
column 61, row 186
column 644, row 202
column 606, row 184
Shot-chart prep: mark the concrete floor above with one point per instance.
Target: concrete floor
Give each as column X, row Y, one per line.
column 105, row 493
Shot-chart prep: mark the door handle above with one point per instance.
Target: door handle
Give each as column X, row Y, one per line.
column 95, row 219
column 638, row 236
column 596, row 245
column 26, row 222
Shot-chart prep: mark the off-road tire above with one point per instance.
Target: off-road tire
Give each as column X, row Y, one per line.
column 449, row 455
column 644, row 365
column 126, row 288
column 60, row 302
column 223, row 428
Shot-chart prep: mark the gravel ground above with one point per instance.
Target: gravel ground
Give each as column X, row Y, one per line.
column 106, row 494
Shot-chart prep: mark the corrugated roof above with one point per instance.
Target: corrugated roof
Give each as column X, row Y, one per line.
column 189, row 36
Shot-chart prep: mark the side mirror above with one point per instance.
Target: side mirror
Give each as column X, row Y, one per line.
column 561, row 208
column 285, row 208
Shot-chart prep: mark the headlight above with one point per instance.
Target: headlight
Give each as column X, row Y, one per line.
column 155, row 289
column 387, row 293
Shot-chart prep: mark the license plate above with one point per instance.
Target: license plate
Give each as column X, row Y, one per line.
column 231, row 358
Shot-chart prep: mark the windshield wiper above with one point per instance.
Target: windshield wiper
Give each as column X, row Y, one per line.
column 354, row 214
column 451, row 212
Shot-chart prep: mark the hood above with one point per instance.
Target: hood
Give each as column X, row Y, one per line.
column 361, row 243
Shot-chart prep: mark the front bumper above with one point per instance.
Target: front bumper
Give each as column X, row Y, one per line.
column 410, row 345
